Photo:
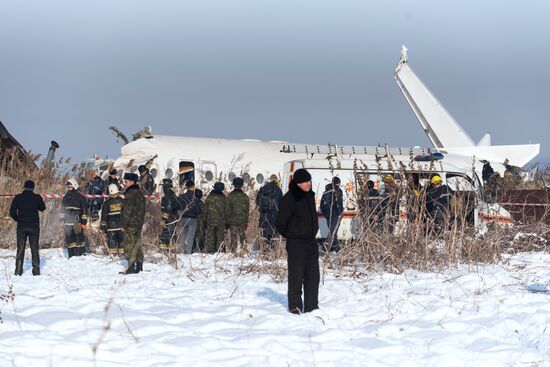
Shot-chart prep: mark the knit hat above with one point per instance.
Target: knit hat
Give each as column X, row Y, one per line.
column 113, row 172
column 167, row 182
column 301, row 176
column 189, row 184
column 219, row 186
column 238, row 183
column 142, row 169
column 131, row 177
column 336, row 181
column 29, row 185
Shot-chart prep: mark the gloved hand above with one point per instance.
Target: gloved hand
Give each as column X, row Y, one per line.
column 82, row 227
column 162, row 224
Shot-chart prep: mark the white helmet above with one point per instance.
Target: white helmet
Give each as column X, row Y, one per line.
column 113, row 189
column 72, row 182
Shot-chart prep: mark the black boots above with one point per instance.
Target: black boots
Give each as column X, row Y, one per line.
column 134, row 268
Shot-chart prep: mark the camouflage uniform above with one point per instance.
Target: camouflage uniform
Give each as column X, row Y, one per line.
column 237, row 209
column 133, row 217
column 74, row 214
column 215, row 218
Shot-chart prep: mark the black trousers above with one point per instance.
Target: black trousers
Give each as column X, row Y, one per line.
column 33, row 235
column 114, row 242
column 75, row 242
column 303, row 271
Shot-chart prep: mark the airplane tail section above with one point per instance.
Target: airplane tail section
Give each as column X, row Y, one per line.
column 439, row 125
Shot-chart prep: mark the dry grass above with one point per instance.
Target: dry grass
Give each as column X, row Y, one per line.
column 414, row 245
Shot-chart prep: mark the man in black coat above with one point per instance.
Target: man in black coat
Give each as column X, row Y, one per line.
column 74, row 216
column 24, row 210
column 267, row 202
column 332, row 207
column 297, row 222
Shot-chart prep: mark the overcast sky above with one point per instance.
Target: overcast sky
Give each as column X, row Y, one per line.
column 303, row 71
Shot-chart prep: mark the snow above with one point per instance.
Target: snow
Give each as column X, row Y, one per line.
column 209, row 313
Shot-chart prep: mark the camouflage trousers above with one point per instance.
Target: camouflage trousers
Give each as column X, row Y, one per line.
column 237, row 235
column 132, row 245
column 214, row 237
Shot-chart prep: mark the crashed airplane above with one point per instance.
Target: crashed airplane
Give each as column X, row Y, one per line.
column 206, row 160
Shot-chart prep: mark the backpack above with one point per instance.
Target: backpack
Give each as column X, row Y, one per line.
column 267, row 199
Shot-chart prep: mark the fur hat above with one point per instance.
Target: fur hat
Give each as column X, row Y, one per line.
column 219, row 186
column 238, row 183
column 131, row 177
column 301, row 176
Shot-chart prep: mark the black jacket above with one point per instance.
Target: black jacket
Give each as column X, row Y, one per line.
column 190, row 204
column 169, row 206
column 74, row 207
column 25, row 207
column 111, row 215
column 297, row 217
column 332, row 203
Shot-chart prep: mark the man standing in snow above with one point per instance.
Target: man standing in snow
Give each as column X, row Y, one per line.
column 111, row 224
column 297, row 222
column 133, row 217
column 190, row 210
column 74, row 208
column 267, row 202
column 332, row 207
column 24, row 210
column 215, row 218
column 238, row 207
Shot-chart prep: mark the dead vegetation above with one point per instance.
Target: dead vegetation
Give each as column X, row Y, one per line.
column 404, row 240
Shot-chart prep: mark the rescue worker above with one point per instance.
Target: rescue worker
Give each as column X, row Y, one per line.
column 96, row 188
column 267, row 202
column 190, row 211
column 215, row 218
column 24, row 210
column 201, row 223
column 111, row 221
column 332, row 207
column 113, row 179
column 439, row 200
column 133, row 217
column 169, row 207
column 75, row 218
column 297, row 222
column 389, row 205
column 238, row 207
column 146, row 181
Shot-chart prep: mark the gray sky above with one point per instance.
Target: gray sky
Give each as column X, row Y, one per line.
column 304, row 71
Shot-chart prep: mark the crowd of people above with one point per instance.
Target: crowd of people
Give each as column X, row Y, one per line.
column 189, row 223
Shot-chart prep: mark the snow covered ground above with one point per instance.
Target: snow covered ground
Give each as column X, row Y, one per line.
column 206, row 314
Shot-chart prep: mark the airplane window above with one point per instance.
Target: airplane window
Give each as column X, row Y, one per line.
column 209, row 176
column 246, row 178
column 154, row 172
column 260, row 178
column 168, row 173
column 273, row 177
column 119, row 172
column 232, row 176
column 133, row 169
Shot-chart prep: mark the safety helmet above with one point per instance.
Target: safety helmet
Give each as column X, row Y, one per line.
column 72, row 183
column 388, row 177
column 436, row 179
column 113, row 189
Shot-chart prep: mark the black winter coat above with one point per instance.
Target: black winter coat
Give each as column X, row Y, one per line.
column 25, row 207
column 297, row 217
column 74, row 207
column 190, row 204
column 332, row 203
column 111, row 214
